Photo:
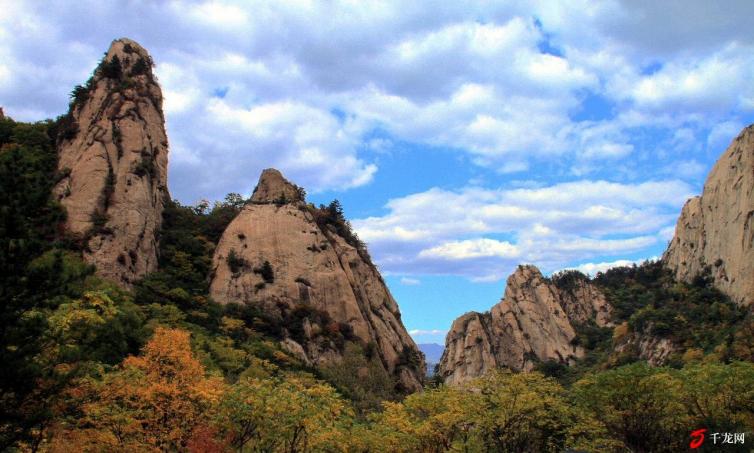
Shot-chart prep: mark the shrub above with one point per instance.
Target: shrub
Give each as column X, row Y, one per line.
column 409, row 357
column 146, row 165
column 79, row 96
column 331, row 216
column 99, row 219
column 235, row 262
column 568, row 280
column 141, row 67
column 111, row 69
column 266, row 272
column 118, row 139
column 66, row 128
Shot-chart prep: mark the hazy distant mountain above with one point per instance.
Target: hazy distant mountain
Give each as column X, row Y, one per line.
column 432, row 354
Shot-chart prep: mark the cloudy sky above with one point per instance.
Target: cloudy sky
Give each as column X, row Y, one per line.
column 462, row 138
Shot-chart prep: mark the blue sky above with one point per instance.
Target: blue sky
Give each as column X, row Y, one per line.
column 462, row 138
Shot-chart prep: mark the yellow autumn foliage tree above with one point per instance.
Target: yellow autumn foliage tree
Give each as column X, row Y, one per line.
column 502, row 411
column 284, row 414
column 435, row 420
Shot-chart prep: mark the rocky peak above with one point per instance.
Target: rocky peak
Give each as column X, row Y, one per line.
column 715, row 231
column 274, row 188
column 533, row 322
column 286, row 259
column 113, row 154
column 129, row 52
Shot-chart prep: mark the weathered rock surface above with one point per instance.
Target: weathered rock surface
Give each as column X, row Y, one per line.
column 534, row 322
column 655, row 350
column 312, row 268
column 114, row 155
column 581, row 300
column 716, row 229
column 274, row 188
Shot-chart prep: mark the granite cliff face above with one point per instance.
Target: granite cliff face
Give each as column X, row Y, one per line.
column 278, row 255
column 113, row 156
column 716, row 230
column 534, row 322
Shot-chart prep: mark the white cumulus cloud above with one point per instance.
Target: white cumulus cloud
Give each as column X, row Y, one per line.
column 482, row 234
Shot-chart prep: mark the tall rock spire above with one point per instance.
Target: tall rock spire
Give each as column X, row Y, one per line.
column 113, row 152
column 715, row 231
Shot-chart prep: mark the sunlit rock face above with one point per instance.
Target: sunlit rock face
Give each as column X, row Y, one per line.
column 715, row 231
column 311, row 269
column 533, row 322
column 113, row 158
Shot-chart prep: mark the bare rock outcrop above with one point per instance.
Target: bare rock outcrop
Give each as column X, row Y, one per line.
column 581, row 300
column 655, row 350
column 274, row 188
column 304, row 268
column 715, row 231
column 113, row 156
column 534, row 322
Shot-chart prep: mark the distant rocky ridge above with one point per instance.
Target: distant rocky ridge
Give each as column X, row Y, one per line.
column 536, row 318
column 276, row 255
column 715, row 231
column 534, row 322
column 113, row 157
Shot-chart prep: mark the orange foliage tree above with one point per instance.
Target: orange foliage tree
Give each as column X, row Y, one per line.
column 153, row 402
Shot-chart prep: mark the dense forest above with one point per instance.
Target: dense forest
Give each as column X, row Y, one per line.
column 88, row 366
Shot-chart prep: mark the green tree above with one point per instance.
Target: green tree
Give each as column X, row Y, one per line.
column 639, row 405
column 527, row 412
column 29, row 220
column 718, row 396
column 436, row 420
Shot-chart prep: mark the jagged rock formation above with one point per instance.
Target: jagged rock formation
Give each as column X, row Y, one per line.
column 716, row 230
column 316, row 280
column 113, row 156
column 581, row 300
column 534, row 322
